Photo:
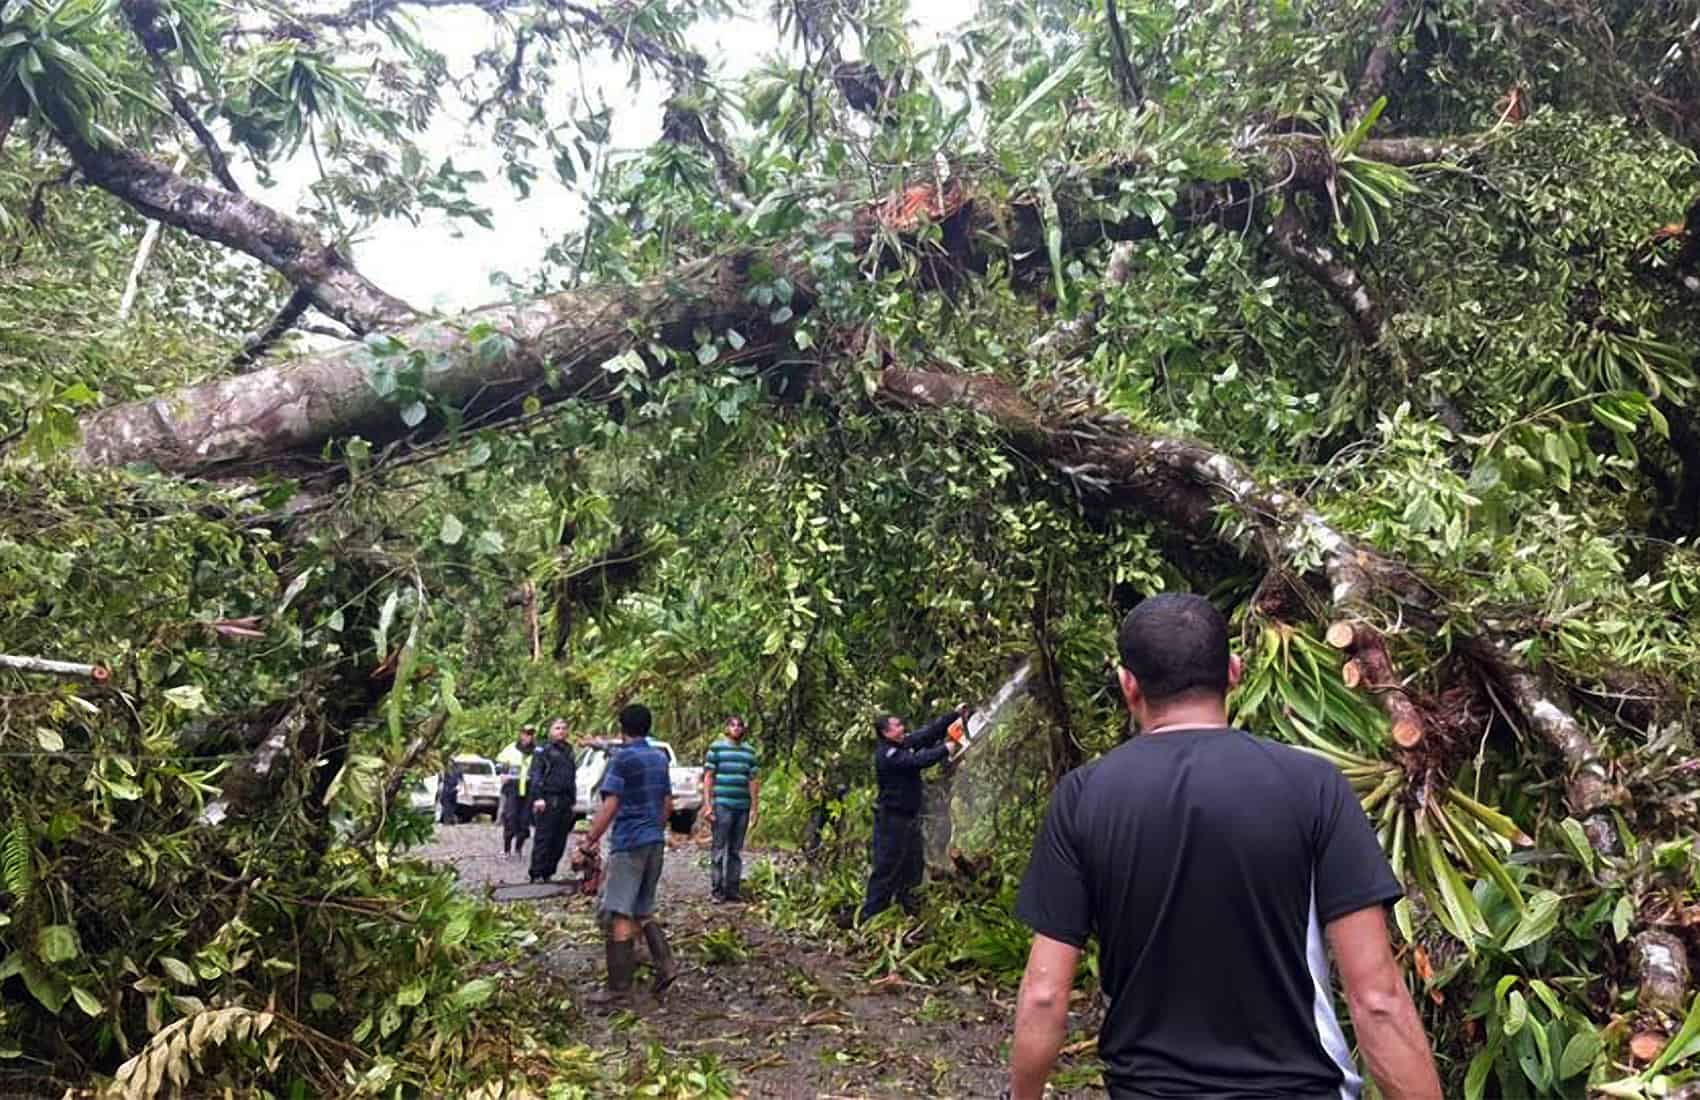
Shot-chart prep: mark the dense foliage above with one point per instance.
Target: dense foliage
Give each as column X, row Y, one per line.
column 1428, row 270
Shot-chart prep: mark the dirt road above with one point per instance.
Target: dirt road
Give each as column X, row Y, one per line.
column 793, row 1018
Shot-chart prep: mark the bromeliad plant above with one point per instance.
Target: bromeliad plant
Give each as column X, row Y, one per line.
column 1434, row 833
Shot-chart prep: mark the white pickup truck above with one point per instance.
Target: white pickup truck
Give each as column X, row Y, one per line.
column 480, row 789
column 687, row 783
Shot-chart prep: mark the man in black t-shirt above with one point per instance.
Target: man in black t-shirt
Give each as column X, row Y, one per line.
column 1215, row 869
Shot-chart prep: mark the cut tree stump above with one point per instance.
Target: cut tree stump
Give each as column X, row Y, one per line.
column 1369, row 666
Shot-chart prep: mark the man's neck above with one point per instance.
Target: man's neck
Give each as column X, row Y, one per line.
column 1197, row 717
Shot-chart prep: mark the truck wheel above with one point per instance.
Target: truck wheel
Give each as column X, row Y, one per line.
column 466, row 815
column 683, row 821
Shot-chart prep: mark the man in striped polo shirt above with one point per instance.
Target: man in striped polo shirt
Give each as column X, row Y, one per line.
column 730, row 790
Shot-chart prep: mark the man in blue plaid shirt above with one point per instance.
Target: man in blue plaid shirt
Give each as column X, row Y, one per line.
column 637, row 799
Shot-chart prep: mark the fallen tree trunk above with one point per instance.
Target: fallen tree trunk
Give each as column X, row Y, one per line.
column 482, row 366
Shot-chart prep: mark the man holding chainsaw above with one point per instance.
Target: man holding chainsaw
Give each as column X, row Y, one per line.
column 899, row 847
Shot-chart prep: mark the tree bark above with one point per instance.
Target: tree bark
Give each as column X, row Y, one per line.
column 1127, row 78
column 47, row 667
column 1381, row 57
column 1661, row 963
column 1588, row 794
column 485, row 364
column 298, row 303
column 240, row 223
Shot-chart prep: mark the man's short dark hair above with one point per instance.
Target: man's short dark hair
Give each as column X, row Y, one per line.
column 1175, row 644
column 635, row 720
column 883, row 723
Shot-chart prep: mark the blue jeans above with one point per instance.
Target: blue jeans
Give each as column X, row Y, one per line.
column 730, row 824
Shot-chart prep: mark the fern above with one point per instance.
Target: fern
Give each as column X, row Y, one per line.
column 15, row 861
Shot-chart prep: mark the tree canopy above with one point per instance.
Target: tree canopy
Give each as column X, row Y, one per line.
column 894, row 360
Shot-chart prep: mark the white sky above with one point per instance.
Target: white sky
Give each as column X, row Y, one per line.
column 443, row 266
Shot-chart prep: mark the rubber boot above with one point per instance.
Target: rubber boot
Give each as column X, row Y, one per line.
column 622, row 969
column 660, row 956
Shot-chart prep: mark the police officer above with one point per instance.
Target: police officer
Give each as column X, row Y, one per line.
column 515, row 762
column 899, row 847
column 553, row 785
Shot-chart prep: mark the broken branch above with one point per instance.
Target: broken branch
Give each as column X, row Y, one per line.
column 47, row 667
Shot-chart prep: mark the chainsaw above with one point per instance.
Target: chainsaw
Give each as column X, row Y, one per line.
column 965, row 731
column 588, row 863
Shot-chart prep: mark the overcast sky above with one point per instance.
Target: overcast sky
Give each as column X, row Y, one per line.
column 438, row 265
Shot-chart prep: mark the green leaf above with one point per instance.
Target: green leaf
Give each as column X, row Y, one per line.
column 1475, row 1079
column 413, row 414
column 1544, row 1047
column 49, row 740
column 1047, row 86
column 473, row 993
column 187, row 697
column 45, row 986
column 55, row 943
column 177, row 970
column 1537, row 922
column 1350, row 141
column 446, row 691
column 1577, row 838
column 410, row 995
column 1579, row 1053
column 88, row 1002
column 452, row 530
column 1516, row 1013
column 1621, row 915
column 1685, row 1042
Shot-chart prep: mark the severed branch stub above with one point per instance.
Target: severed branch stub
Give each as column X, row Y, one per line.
column 97, row 673
column 1370, row 667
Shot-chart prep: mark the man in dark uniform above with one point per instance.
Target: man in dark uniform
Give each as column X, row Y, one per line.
column 553, row 784
column 899, row 847
column 448, row 795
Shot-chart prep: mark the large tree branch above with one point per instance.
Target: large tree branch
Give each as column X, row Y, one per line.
column 299, row 303
column 243, row 224
column 1341, row 282
column 1339, row 279
column 1588, row 794
column 286, row 412
column 1127, row 78
column 1381, row 57
column 143, row 21
column 484, row 365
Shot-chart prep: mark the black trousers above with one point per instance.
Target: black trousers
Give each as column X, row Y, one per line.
column 553, row 825
column 899, row 861
column 516, row 820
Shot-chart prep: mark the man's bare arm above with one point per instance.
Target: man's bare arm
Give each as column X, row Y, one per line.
column 1389, row 1033
column 604, row 817
column 1041, row 1016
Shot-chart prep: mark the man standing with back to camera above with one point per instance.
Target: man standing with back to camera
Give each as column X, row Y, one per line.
column 1214, row 867
column 637, row 800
